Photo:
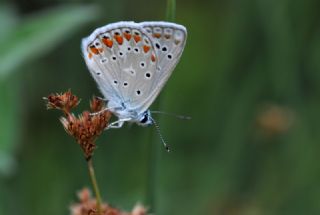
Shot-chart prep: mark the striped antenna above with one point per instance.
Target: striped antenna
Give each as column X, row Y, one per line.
column 160, row 135
column 172, row 114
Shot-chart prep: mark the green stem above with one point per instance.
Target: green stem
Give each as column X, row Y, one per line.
column 155, row 147
column 151, row 175
column 171, row 10
column 95, row 185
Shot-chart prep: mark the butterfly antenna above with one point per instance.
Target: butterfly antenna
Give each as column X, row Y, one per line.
column 160, row 135
column 172, row 114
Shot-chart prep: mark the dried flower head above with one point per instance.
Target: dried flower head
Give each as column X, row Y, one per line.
column 274, row 119
column 63, row 101
column 87, row 206
column 86, row 127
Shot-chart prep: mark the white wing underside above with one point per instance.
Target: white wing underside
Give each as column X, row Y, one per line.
column 131, row 62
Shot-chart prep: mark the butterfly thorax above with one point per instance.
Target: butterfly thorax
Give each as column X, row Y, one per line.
column 131, row 115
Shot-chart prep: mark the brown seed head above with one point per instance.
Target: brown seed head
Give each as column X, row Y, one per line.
column 275, row 119
column 63, row 101
column 96, row 104
column 86, row 127
column 88, row 205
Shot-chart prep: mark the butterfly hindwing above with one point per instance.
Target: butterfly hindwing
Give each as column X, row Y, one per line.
column 169, row 40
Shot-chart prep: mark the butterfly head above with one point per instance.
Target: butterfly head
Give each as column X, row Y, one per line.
column 145, row 119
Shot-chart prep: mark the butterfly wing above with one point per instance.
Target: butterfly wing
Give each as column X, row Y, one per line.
column 121, row 59
column 131, row 62
column 169, row 41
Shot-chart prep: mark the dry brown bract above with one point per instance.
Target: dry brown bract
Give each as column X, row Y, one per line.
column 86, row 127
column 87, row 206
column 274, row 119
column 64, row 101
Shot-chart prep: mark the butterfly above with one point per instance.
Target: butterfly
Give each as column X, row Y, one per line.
column 131, row 62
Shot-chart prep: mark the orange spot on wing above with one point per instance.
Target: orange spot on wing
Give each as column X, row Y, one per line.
column 107, row 42
column 94, row 50
column 146, row 48
column 136, row 38
column 153, row 58
column 157, row 35
column 90, row 55
column 127, row 36
column 167, row 36
column 100, row 50
column 119, row 39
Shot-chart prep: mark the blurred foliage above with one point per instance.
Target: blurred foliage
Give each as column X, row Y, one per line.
column 249, row 77
column 37, row 35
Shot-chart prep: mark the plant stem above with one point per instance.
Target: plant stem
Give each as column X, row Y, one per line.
column 95, row 185
column 171, row 10
column 153, row 157
column 155, row 147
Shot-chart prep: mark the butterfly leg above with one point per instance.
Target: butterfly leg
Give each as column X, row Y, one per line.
column 118, row 124
column 96, row 113
column 103, row 110
column 101, row 98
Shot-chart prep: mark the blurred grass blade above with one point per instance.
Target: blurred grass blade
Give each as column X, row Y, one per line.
column 8, row 19
column 38, row 34
column 155, row 149
column 9, row 127
column 171, row 10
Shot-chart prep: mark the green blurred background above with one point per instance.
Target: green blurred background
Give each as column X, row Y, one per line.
column 249, row 77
